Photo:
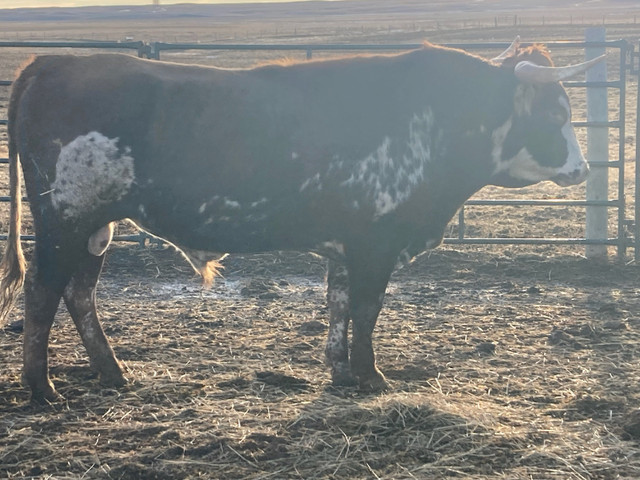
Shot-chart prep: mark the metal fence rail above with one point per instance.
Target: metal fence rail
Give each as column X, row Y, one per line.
column 626, row 56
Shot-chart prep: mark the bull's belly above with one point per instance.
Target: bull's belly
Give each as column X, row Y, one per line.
column 230, row 233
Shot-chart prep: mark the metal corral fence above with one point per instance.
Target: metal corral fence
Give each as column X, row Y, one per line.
column 627, row 233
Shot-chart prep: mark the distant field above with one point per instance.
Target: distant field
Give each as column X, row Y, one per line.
column 370, row 20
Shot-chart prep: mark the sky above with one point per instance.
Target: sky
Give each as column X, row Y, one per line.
column 84, row 3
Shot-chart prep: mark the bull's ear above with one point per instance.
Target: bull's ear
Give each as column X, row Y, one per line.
column 529, row 72
column 509, row 52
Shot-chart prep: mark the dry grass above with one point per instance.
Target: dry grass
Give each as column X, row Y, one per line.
column 511, row 362
column 502, row 367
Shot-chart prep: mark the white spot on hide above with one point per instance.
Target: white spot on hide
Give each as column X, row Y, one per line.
column 335, row 340
column 231, row 204
column 338, row 302
column 313, row 181
column 522, row 166
column 87, row 327
column 262, row 201
column 339, row 297
column 334, row 247
column 498, row 136
column 389, row 181
column 91, row 171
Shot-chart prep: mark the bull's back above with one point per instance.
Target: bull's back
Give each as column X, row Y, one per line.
column 289, row 138
column 68, row 96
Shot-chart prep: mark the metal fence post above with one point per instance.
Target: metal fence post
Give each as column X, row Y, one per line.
column 597, row 146
column 636, row 237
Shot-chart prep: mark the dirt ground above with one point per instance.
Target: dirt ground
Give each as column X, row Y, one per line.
column 505, row 362
column 502, row 365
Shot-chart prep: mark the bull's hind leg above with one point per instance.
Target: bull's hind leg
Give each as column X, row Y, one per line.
column 337, row 350
column 41, row 301
column 80, row 299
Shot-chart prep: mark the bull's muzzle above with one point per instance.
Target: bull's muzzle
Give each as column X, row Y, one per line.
column 574, row 177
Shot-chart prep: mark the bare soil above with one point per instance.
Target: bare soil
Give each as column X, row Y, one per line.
column 504, row 362
column 504, row 365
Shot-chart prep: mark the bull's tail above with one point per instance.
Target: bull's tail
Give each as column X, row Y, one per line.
column 13, row 265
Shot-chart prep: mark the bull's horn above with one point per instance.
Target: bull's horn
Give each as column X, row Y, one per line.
column 509, row 52
column 529, row 72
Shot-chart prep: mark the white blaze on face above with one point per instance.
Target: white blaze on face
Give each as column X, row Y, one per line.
column 91, row 171
column 523, row 166
column 576, row 169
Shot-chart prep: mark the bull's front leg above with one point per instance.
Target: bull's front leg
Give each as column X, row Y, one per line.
column 368, row 278
column 337, row 350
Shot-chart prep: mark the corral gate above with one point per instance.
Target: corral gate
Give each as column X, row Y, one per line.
column 627, row 233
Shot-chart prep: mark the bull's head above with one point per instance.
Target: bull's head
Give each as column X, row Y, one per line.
column 538, row 141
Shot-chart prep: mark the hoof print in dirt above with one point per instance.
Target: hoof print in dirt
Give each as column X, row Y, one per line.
column 263, row 289
column 610, row 310
column 485, row 348
column 562, row 338
column 262, row 447
column 312, row 327
column 237, row 382
column 590, row 407
column 285, row 382
column 135, row 470
column 615, row 325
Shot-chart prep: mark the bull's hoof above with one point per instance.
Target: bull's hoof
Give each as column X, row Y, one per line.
column 343, row 379
column 112, row 380
column 50, row 396
column 109, row 372
column 341, row 375
column 42, row 390
column 373, row 384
